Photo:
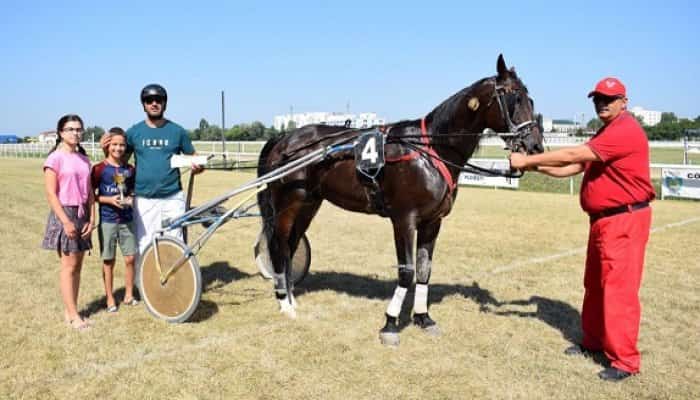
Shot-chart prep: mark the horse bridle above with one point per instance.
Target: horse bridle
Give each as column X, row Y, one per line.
column 516, row 135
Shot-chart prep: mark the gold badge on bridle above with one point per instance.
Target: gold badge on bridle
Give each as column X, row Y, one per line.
column 473, row 104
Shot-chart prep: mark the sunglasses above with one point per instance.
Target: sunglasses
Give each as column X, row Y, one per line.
column 153, row 99
column 605, row 99
column 73, row 130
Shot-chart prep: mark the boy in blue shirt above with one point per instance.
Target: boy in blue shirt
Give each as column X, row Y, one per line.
column 113, row 179
column 158, row 192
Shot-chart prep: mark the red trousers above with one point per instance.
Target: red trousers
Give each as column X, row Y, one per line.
column 611, row 309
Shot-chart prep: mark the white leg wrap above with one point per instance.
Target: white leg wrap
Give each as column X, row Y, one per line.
column 420, row 303
column 280, row 286
column 394, row 308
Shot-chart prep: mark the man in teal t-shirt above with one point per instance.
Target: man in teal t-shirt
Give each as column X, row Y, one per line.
column 158, row 190
column 153, row 148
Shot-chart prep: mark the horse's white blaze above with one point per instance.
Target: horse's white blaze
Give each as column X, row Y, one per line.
column 394, row 308
column 420, row 303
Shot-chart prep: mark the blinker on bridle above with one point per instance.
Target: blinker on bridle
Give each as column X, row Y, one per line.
column 515, row 137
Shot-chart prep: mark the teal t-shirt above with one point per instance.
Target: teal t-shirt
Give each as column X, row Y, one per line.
column 153, row 148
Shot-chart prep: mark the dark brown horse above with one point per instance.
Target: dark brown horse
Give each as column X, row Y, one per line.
column 415, row 190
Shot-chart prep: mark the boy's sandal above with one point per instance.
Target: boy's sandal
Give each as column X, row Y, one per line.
column 131, row 302
column 112, row 309
column 78, row 324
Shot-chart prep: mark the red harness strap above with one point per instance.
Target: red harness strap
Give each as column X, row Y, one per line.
column 406, row 157
column 437, row 163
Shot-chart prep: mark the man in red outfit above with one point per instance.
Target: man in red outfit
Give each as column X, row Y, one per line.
column 615, row 192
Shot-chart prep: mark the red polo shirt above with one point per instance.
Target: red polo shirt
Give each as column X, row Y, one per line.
column 622, row 175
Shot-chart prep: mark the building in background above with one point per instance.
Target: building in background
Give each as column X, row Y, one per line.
column 297, row 120
column 547, row 124
column 9, row 138
column 649, row 117
column 564, row 126
column 47, row 137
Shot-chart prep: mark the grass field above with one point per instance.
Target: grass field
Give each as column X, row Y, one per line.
column 506, row 290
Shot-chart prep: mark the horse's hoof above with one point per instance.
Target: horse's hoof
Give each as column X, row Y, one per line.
column 426, row 324
column 433, row 330
column 390, row 339
column 289, row 313
column 287, row 309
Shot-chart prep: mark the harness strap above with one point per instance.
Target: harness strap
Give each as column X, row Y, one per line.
column 406, row 157
column 435, row 159
column 432, row 155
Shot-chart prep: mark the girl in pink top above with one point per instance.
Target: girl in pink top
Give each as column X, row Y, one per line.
column 71, row 221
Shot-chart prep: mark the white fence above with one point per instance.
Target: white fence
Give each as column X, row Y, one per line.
column 239, row 151
column 250, row 150
column 232, row 151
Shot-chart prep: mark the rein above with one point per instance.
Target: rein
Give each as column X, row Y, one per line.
column 334, row 135
column 513, row 139
column 468, row 167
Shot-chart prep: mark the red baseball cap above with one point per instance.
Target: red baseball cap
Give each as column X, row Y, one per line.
column 609, row 87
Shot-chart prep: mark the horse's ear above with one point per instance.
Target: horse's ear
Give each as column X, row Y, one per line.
column 501, row 68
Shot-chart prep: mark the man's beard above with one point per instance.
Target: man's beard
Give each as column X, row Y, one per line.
column 155, row 117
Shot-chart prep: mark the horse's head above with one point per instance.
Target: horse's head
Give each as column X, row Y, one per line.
column 511, row 112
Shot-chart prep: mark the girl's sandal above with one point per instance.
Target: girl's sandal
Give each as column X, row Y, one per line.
column 131, row 302
column 78, row 324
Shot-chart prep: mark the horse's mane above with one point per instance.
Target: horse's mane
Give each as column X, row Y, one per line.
column 402, row 124
column 441, row 115
column 263, row 168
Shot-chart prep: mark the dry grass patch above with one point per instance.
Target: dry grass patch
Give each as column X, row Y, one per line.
column 507, row 289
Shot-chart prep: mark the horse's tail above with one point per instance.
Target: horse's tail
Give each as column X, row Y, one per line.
column 267, row 213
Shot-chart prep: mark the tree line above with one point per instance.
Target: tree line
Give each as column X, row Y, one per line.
column 255, row 131
column 252, row 131
column 670, row 128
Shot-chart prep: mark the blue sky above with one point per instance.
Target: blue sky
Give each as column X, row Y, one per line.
column 399, row 59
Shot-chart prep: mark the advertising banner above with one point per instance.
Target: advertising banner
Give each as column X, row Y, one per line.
column 680, row 182
column 466, row 178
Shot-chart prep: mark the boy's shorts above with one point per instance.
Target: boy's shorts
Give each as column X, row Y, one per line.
column 111, row 233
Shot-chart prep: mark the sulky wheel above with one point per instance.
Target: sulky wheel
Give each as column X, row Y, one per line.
column 301, row 260
column 173, row 292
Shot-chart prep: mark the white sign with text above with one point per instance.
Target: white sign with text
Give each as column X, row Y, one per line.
column 680, row 182
column 467, row 178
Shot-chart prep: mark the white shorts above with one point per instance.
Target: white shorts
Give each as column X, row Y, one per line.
column 150, row 213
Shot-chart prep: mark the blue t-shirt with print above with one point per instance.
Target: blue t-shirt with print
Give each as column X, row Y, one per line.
column 153, row 148
column 107, row 178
